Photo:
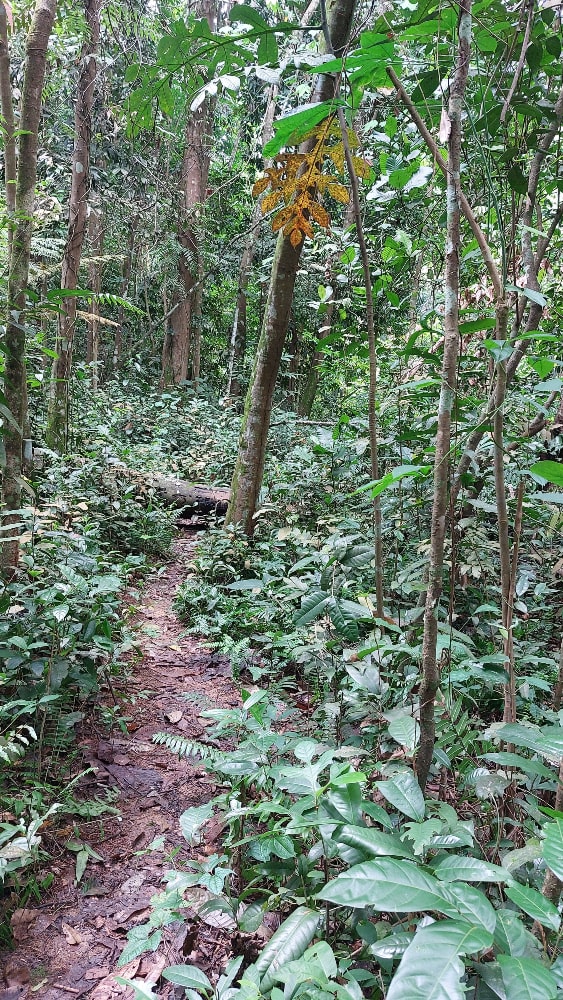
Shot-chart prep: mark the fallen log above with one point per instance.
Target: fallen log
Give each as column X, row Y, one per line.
column 206, row 499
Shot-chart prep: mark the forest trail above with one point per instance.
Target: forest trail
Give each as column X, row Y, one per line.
column 69, row 943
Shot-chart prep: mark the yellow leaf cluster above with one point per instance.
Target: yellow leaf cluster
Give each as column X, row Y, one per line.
column 299, row 181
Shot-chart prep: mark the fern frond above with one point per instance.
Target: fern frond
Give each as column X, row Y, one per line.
column 186, row 748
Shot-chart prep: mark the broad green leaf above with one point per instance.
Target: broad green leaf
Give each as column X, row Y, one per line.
column 372, row 842
column 377, row 486
column 518, row 182
column 405, row 731
column 550, row 471
column 403, row 792
column 345, row 803
column 345, row 624
column 553, row 847
column 289, row 942
column 455, row 868
column 471, row 903
column 512, row 938
column 312, row 606
column 388, row 885
column 547, row 741
column 247, row 15
column 290, row 128
column 431, row 968
column 527, row 979
column 535, row 905
column 193, row 819
column 142, row 990
column 189, row 976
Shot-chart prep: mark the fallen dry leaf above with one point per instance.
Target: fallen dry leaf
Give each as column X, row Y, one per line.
column 97, row 973
column 173, row 717
column 108, row 988
column 72, row 936
column 16, row 974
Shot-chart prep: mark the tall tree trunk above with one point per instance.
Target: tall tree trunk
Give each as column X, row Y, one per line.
column 193, row 185
column 237, row 345
column 13, row 341
column 430, row 667
column 9, row 139
column 125, row 278
column 57, row 419
column 249, row 469
column 96, row 246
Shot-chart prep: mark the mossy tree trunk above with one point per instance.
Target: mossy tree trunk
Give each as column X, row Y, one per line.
column 13, row 341
column 57, row 419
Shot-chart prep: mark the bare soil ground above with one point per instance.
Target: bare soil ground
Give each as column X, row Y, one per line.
column 68, row 945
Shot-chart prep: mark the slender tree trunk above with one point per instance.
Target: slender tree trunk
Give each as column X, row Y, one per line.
column 125, row 277
column 249, row 469
column 13, row 341
column 430, row 667
column 96, row 244
column 193, row 186
column 57, row 420
column 9, row 139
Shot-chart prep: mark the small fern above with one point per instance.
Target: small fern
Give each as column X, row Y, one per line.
column 186, row 748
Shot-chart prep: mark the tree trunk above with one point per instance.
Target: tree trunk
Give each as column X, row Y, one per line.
column 9, row 140
column 193, row 186
column 57, row 419
column 96, row 242
column 125, row 277
column 249, row 469
column 238, row 334
column 430, row 667
column 13, row 341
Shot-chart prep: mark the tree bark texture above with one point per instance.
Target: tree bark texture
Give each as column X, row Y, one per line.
column 57, row 420
column 13, row 343
column 96, row 246
column 249, row 469
column 193, row 187
column 8, row 127
column 430, row 666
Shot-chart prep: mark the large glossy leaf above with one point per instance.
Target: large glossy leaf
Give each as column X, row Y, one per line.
column 289, row 942
column 403, row 792
column 512, row 938
column 345, row 623
column 189, row 976
column 372, row 842
column 344, row 803
column 312, row 606
column 553, row 847
column 551, row 471
column 527, row 979
column 472, row 904
column 455, row 868
column 548, row 741
column 390, row 886
column 291, row 128
column 431, row 968
column 535, row 905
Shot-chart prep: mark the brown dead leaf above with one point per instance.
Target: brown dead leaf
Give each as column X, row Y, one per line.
column 102, row 972
column 20, row 922
column 155, row 968
column 72, row 936
column 121, row 759
column 173, row 717
column 108, row 988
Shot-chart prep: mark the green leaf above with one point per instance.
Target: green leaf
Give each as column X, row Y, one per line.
column 247, row 15
column 515, row 177
column 553, row 847
column 372, row 842
column 290, row 128
column 344, row 622
column 535, row 905
column 378, row 485
column 142, row 990
column 289, row 942
column 312, row 606
column 131, row 73
column 431, row 968
column 534, row 55
column 189, row 976
column 547, row 741
column 388, row 885
column 405, row 730
column 193, row 819
column 403, row 792
column 530, row 293
column 345, row 803
column 527, row 979
column 267, row 49
column 471, row 904
column 552, row 472
column 454, row 867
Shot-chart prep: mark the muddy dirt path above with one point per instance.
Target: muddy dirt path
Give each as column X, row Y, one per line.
column 68, row 945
